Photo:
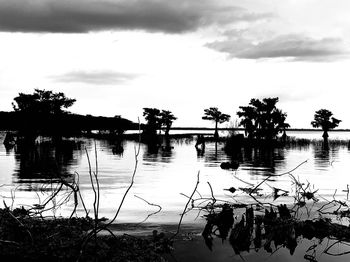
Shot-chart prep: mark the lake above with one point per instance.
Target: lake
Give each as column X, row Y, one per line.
column 162, row 175
column 166, row 175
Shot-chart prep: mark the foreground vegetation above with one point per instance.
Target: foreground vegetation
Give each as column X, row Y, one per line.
column 29, row 234
column 261, row 222
column 25, row 234
column 26, row 238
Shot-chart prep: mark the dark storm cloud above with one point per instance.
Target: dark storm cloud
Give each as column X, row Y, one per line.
column 94, row 77
column 294, row 47
column 91, row 15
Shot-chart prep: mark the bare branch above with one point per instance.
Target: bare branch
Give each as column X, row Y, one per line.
column 151, row 204
column 184, row 211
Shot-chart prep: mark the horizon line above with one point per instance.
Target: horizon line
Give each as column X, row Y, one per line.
column 242, row 129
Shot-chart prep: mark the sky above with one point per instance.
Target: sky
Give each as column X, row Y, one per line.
column 116, row 57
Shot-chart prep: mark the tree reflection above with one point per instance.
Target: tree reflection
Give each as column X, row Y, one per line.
column 260, row 158
column 257, row 160
column 160, row 150
column 166, row 149
column 8, row 149
column 200, row 151
column 46, row 160
column 214, row 152
column 115, row 144
column 323, row 157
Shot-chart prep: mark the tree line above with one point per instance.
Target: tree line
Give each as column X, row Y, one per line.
column 46, row 111
column 261, row 119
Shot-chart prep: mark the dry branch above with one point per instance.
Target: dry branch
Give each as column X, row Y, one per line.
column 184, row 211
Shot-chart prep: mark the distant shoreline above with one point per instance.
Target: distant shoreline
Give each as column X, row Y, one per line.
column 242, row 129
column 230, row 129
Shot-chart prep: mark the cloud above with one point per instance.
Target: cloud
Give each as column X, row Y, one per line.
column 79, row 16
column 94, row 77
column 293, row 47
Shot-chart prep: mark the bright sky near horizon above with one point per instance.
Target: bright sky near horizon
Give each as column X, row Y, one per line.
column 117, row 56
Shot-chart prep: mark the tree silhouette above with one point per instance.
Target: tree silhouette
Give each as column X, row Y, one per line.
column 215, row 115
column 42, row 101
column 249, row 117
column 167, row 118
column 153, row 118
column 262, row 119
column 41, row 113
column 323, row 118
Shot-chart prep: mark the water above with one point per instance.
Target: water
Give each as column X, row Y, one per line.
column 164, row 176
column 307, row 250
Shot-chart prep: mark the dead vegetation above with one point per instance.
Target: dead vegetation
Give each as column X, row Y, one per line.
column 262, row 224
column 24, row 238
column 28, row 234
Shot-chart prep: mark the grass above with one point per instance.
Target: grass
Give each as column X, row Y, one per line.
column 293, row 141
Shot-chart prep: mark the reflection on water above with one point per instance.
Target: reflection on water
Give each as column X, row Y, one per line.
column 262, row 161
column 312, row 250
column 165, row 170
column 270, row 230
column 168, row 169
column 159, row 152
column 323, row 158
column 45, row 160
column 115, row 146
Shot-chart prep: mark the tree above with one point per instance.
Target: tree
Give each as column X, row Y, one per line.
column 248, row 115
column 262, row 119
column 153, row 118
column 167, row 119
column 157, row 119
column 41, row 113
column 323, row 118
column 215, row 115
column 42, row 102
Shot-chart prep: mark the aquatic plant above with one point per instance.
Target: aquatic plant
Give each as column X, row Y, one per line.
column 260, row 223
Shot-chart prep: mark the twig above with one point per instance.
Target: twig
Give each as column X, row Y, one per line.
column 250, row 184
column 92, row 182
column 212, row 194
column 98, row 229
column 81, row 197
column 9, row 242
column 97, row 182
column 184, row 211
column 288, row 172
column 151, row 204
column 137, row 152
column 326, row 251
